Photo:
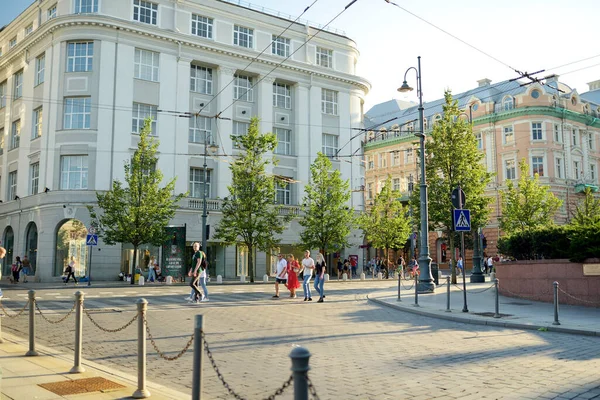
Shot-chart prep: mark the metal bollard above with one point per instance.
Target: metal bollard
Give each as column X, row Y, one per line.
column 31, row 351
column 556, row 304
column 198, row 353
column 416, row 291
column 448, row 294
column 77, row 368
column 399, row 283
column 497, row 313
column 141, row 392
column 300, row 368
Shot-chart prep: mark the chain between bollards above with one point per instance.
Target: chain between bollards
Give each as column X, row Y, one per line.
column 497, row 311
column 141, row 392
column 77, row 368
column 416, row 290
column 556, row 322
column 32, row 351
column 448, row 294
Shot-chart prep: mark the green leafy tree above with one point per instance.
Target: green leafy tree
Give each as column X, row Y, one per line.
column 250, row 216
column 452, row 158
column 587, row 211
column 527, row 205
column 386, row 224
column 327, row 219
column 137, row 212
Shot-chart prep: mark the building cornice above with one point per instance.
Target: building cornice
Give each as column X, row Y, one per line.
column 556, row 112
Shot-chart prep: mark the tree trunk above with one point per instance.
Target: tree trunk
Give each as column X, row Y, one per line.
column 251, row 263
column 452, row 259
column 135, row 252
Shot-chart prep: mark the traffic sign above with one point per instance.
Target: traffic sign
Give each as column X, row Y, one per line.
column 462, row 220
column 91, row 230
column 455, row 200
column 91, row 240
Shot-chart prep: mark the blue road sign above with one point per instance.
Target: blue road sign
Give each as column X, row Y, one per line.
column 462, row 220
column 91, row 240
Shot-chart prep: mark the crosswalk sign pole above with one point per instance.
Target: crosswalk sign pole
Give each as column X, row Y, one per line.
column 462, row 253
column 90, row 266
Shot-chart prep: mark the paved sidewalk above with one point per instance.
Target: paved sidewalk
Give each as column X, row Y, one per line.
column 516, row 312
column 21, row 375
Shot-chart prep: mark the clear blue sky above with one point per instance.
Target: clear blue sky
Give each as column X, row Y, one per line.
column 527, row 35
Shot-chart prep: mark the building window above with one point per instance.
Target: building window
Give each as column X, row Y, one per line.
column 201, row 79
column 557, row 134
column 324, row 57
column 28, row 30
column 330, row 145
column 369, row 191
column 559, row 168
column 383, row 160
column 80, row 56
column 329, row 101
column 15, row 135
column 590, row 140
column 282, row 95
column 34, row 178
column 479, row 139
column 593, row 172
column 370, row 163
column 242, row 88
column 239, row 129
column 409, row 156
column 12, row 185
column 51, row 13
column 12, row 42
column 1, row 141
column 536, row 131
column 145, row 11
column 280, row 46
column 77, row 113
column 202, row 26
column 196, row 187
column 40, row 69
column 510, row 169
column 37, row 123
column 140, row 113
column 86, row 6
column 200, row 127
column 574, row 137
column 508, row 103
column 395, row 158
column 284, row 141
column 3, row 86
column 535, row 94
column 537, row 164
column 283, row 193
column 18, row 85
column 73, row 172
column 396, row 184
column 576, row 170
column 509, row 135
column 243, row 37
column 146, row 65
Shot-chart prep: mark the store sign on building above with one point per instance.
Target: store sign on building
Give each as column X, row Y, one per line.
column 173, row 252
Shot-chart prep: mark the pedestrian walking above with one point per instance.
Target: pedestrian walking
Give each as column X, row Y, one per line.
column 459, row 265
column 340, row 268
column 204, row 276
column 293, row 269
column 353, row 265
column 2, row 254
column 320, row 276
column 281, row 277
column 308, row 264
column 414, row 267
column 70, row 271
column 26, row 268
column 196, row 295
column 490, row 264
column 151, row 269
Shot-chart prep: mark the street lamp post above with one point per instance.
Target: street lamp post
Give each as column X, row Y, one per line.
column 204, row 191
column 426, row 284
column 411, row 186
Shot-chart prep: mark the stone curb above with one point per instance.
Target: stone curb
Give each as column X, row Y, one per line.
column 476, row 321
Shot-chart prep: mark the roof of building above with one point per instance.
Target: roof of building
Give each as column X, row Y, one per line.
column 592, row 96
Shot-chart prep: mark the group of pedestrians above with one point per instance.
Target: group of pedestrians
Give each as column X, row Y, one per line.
column 290, row 272
column 20, row 269
column 199, row 275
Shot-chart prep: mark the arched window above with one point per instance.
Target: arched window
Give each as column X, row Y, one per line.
column 31, row 245
column 574, row 100
column 9, row 243
column 508, row 103
column 437, row 118
column 70, row 242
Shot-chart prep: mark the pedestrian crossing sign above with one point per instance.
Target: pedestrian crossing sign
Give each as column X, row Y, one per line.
column 462, row 220
column 91, row 240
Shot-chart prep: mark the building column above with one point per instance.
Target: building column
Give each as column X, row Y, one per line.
column 265, row 111
column 225, row 129
column 301, row 133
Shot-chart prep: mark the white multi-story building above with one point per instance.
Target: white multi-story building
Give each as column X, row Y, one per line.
column 77, row 78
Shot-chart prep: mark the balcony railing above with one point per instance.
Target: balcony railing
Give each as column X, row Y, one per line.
column 217, row 205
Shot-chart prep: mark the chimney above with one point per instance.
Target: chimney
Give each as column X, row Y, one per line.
column 595, row 85
column 553, row 78
column 484, row 82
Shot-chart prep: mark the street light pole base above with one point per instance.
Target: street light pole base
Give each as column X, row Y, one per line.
column 477, row 277
column 425, row 287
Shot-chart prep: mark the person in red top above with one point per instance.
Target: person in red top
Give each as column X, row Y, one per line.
column 293, row 268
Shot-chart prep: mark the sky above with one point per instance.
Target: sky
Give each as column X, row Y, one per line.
column 523, row 35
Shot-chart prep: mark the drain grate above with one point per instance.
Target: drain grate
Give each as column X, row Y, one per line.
column 79, row 386
column 491, row 314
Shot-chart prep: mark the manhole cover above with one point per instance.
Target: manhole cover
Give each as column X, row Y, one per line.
column 491, row 314
column 79, row 386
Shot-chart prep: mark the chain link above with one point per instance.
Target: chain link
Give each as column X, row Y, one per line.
column 160, row 353
column 109, row 330
column 577, row 298
column 59, row 320
column 312, row 389
column 14, row 315
column 280, row 391
column 475, row 291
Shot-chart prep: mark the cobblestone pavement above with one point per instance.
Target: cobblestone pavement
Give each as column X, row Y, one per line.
column 359, row 350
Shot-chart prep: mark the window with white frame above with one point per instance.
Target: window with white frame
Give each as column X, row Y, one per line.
column 34, row 178
column 28, row 29
column 593, row 172
column 575, row 137
column 77, row 113
column 140, row 113
column 508, row 103
column 560, row 173
column 508, row 135
column 12, row 185
column 37, row 123
column 146, row 65
column 410, row 156
column 86, row 6
column 283, row 193
column 510, row 170
column 396, row 184
column 80, row 56
column 479, row 138
column 12, row 42
column 145, row 12
column 324, row 57
column 243, row 37
column 284, row 141
column 200, row 128
column 242, row 88
column 73, row 172
column 590, row 140
column 196, row 184
column 3, row 86
column 537, row 165
column 202, row 26
column 370, row 162
column 201, row 79
column 51, row 13
column 576, row 170
column 557, row 134
column 536, row 131
column 280, row 46
column 40, row 69
column 369, row 191
column 239, row 129
column 330, row 144
column 15, row 135
column 282, row 95
column 18, row 85
column 395, row 158
column 329, row 102
column 383, row 160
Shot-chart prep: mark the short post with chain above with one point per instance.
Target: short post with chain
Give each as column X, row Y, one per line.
column 416, row 289
column 497, row 313
column 198, row 352
column 448, row 294
column 399, row 283
column 300, row 368
column 141, row 392
column 77, row 368
column 556, row 322
column 31, row 351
